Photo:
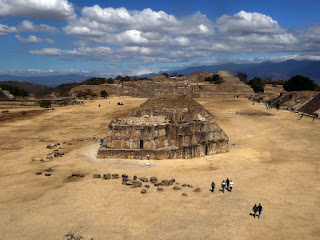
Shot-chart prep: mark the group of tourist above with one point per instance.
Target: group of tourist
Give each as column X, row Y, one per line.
column 256, row 209
column 225, row 184
column 228, row 184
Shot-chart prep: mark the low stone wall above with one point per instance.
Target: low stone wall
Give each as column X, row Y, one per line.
column 111, row 89
column 182, row 153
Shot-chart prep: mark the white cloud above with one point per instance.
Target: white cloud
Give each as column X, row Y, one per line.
column 34, row 39
column 28, row 26
column 156, row 36
column 246, row 23
column 136, row 27
column 45, row 9
column 4, row 29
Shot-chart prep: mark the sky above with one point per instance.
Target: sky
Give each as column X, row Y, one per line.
column 135, row 37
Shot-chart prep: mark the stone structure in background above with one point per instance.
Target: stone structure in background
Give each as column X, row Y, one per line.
column 164, row 127
column 193, row 86
column 231, row 87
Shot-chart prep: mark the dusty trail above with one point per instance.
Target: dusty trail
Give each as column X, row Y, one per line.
column 273, row 160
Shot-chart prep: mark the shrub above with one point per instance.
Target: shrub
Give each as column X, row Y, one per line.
column 104, row 94
column 45, row 103
column 299, row 83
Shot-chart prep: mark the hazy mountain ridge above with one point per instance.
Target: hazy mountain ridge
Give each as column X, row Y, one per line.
column 50, row 81
column 276, row 71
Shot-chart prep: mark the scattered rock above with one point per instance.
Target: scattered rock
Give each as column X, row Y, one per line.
column 157, row 184
column 153, row 179
column 75, row 174
column 135, row 177
column 185, row 185
column 58, row 144
column 38, row 173
column 49, row 170
column 136, row 183
column 176, row 188
column 143, row 179
column 96, row 175
column 64, row 142
column 129, row 183
column 147, row 186
column 190, row 186
column 115, row 176
column 160, row 189
column 106, row 176
column 47, row 174
column 165, row 183
column 197, row 190
column 125, row 176
column 184, row 194
column 143, row 191
column 49, row 146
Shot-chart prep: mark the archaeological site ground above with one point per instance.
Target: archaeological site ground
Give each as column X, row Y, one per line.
column 55, row 180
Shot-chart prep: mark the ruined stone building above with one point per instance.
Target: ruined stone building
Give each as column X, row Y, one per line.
column 231, row 87
column 164, row 127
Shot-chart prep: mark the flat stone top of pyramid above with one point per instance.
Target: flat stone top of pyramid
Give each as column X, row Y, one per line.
column 229, row 78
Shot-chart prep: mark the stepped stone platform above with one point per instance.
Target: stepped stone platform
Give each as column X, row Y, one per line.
column 167, row 127
column 232, row 87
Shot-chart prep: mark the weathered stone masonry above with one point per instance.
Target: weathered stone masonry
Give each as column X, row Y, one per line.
column 164, row 128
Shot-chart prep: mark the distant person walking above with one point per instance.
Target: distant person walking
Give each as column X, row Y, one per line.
column 260, row 210
column 255, row 210
column 230, row 185
column 213, row 185
column 223, row 186
column 227, row 183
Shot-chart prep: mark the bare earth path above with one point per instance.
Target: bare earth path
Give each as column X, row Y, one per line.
column 273, row 160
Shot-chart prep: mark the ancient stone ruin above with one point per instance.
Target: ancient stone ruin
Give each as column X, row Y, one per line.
column 164, row 127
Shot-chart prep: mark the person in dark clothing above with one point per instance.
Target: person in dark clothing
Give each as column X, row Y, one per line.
column 255, row 210
column 260, row 210
column 223, row 186
column 213, row 185
column 227, row 182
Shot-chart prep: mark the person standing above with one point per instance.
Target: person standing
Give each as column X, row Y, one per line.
column 255, row 210
column 260, row 210
column 227, row 183
column 223, row 185
column 230, row 185
column 213, row 185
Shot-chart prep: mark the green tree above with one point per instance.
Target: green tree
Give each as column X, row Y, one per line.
column 242, row 77
column 45, row 103
column 165, row 74
column 15, row 91
column 257, row 84
column 104, row 94
column 299, row 83
column 110, row 81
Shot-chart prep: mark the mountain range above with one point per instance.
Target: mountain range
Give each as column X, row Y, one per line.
column 50, row 81
column 266, row 70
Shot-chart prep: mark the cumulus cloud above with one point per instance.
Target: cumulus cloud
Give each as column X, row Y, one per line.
column 45, row 9
column 34, row 39
column 145, row 27
column 246, row 23
column 4, row 29
column 28, row 26
column 156, row 36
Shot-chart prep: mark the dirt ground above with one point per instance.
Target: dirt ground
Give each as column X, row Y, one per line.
column 273, row 160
